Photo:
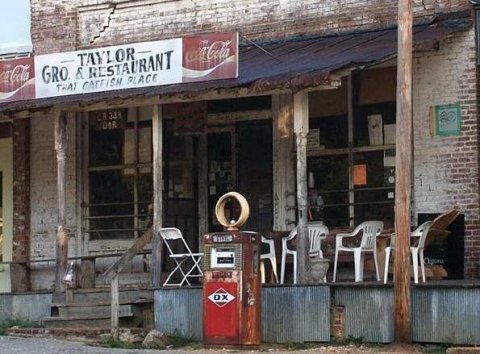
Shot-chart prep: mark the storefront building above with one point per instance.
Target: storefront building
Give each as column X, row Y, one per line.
column 312, row 66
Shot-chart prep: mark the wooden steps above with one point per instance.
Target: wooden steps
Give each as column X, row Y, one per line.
column 91, row 308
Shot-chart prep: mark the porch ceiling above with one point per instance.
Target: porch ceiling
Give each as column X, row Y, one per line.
column 290, row 64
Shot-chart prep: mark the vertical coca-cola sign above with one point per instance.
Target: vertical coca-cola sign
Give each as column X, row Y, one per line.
column 17, row 80
column 210, row 57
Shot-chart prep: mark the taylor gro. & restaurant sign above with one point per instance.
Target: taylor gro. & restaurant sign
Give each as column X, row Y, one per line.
column 164, row 62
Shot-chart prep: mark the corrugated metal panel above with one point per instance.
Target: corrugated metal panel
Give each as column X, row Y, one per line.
column 302, row 313
column 296, row 314
column 179, row 311
column 289, row 314
column 33, row 306
column 368, row 312
column 446, row 315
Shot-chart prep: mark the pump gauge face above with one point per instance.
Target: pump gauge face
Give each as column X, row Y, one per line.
column 223, row 257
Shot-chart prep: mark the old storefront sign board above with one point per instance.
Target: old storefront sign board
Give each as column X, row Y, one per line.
column 172, row 61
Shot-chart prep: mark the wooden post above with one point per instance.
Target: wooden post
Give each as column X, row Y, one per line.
column 283, row 163
column 62, row 232
column 157, row 244
column 202, row 187
column 403, row 163
column 115, row 307
column 300, row 113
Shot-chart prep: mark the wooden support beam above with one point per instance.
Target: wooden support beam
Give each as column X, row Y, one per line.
column 115, row 309
column 283, row 163
column 157, row 244
column 202, row 187
column 62, row 232
column 403, row 171
column 300, row 113
column 33, row 110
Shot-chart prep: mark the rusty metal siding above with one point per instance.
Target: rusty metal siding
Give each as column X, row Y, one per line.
column 446, row 315
column 368, row 312
column 302, row 313
column 295, row 314
column 289, row 314
column 179, row 311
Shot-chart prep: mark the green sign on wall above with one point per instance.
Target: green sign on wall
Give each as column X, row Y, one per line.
column 448, row 119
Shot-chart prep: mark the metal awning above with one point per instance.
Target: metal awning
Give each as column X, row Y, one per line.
column 294, row 64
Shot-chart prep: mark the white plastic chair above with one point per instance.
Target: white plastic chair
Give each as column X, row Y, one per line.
column 317, row 231
column 370, row 229
column 416, row 251
column 270, row 255
column 187, row 263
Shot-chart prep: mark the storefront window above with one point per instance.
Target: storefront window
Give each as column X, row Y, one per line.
column 120, row 189
column 350, row 183
column 351, row 157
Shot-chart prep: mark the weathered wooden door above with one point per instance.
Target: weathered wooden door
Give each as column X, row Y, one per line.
column 255, row 172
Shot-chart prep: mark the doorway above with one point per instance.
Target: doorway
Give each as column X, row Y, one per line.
column 6, row 212
column 255, row 172
column 240, row 159
column 221, row 170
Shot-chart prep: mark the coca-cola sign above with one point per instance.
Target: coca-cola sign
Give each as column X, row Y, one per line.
column 210, row 57
column 17, row 79
column 121, row 67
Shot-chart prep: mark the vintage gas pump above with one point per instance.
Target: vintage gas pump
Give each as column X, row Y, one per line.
column 232, row 282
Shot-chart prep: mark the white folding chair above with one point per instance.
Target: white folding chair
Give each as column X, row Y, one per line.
column 370, row 229
column 271, row 256
column 187, row 263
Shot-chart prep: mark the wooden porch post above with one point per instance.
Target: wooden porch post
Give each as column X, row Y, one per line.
column 403, row 163
column 62, row 232
column 283, row 164
column 300, row 113
column 157, row 244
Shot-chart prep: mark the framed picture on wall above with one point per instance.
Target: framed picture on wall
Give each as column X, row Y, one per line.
column 447, row 119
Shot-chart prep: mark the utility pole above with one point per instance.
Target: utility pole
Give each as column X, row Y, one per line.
column 403, row 163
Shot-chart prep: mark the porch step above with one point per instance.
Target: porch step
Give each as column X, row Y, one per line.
column 86, row 310
column 127, row 280
column 77, row 322
column 91, row 308
column 103, row 295
column 85, row 335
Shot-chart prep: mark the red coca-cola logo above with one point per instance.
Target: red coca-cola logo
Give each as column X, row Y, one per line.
column 216, row 51
column 16, row 76
column 16, row 79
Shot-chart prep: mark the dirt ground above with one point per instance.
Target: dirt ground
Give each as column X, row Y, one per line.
column 15, row 345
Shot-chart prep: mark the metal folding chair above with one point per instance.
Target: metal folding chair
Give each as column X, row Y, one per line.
column 187, row 263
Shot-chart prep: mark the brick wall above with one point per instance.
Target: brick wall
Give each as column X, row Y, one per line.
column 446, row 169
column 61, row 25
column 21, row 205
column 43, row 189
